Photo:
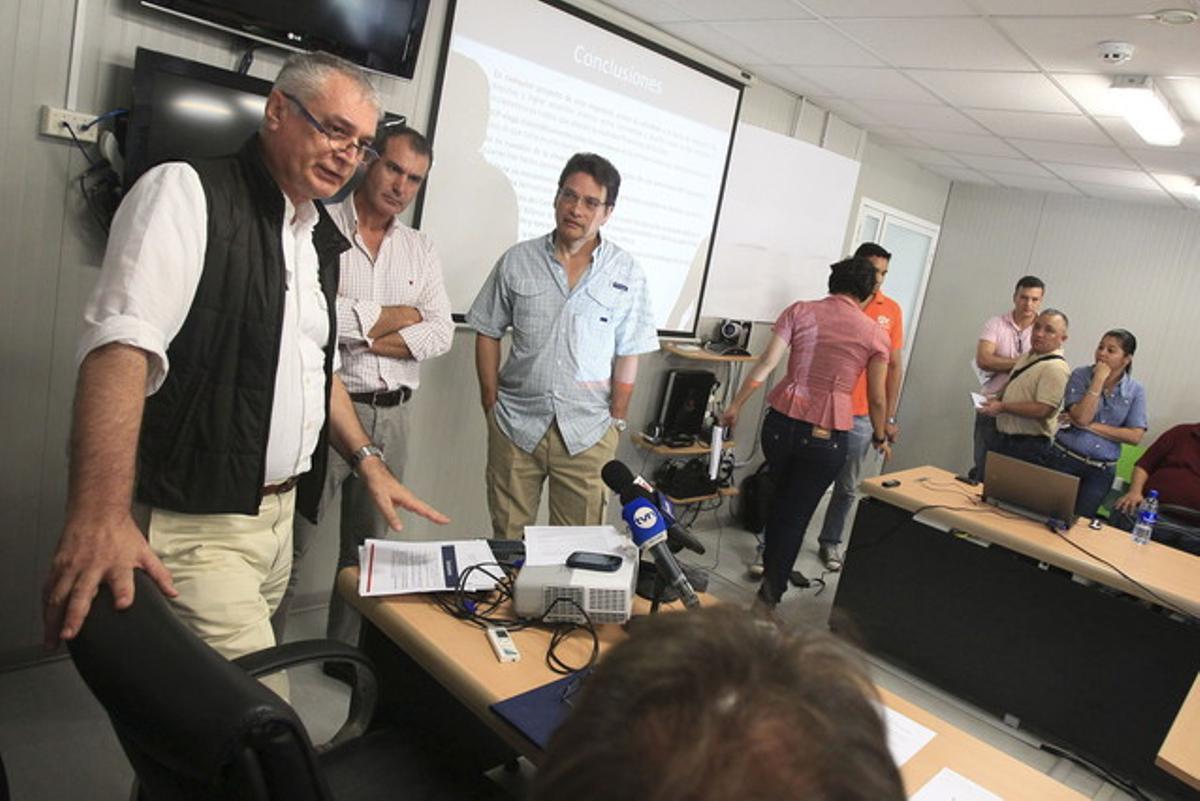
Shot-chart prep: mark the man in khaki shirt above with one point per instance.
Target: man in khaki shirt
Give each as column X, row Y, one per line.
column 1026, row 411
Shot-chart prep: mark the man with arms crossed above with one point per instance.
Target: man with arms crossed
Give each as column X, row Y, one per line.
column 1027, row 410
column 580, row 314
column 1003, row 340
column 886, row 312
column 205, row 373
column 393, row 314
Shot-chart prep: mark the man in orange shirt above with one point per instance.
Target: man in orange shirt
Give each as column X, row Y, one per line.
column 886, row 312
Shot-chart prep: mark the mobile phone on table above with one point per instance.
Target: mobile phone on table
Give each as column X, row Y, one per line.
column 589, row 560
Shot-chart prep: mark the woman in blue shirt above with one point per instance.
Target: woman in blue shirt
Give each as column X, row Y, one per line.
column 1105, row 407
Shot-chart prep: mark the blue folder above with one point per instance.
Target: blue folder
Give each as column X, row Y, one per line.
column 540, row 711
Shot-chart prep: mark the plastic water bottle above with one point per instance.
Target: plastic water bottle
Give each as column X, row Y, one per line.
column 1147, row 517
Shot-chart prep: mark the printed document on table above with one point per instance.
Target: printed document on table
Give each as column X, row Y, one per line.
column 551, row 545
column 905, row 736
column 950, row 786
column 389, row 567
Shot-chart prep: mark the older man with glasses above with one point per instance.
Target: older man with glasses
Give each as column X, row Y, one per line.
column 580, row 315
column 206, row 390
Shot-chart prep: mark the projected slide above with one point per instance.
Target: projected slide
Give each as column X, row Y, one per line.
column 526, row 85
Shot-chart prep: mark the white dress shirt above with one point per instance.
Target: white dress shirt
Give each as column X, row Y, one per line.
column 405, row 272
column 152, row 267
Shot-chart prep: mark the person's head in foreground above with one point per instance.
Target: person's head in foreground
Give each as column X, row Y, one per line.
column 714, row 705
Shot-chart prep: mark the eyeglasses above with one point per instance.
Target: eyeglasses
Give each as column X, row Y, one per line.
column 340, row 140
column 570, row 198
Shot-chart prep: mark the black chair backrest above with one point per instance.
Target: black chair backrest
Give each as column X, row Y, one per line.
column 195, row 726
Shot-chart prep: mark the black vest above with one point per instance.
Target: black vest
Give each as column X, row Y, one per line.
column 203, row 442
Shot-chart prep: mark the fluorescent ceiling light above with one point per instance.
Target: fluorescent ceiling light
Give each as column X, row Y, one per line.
column 1145, row 110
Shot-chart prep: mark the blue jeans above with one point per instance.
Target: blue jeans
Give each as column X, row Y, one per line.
column 803, row 466
column 1094, row 482
column 845, row 486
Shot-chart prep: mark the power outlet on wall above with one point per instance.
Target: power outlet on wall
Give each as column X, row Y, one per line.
column 54, row 123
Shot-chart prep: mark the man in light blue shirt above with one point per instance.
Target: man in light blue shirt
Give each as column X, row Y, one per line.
column 580, row 314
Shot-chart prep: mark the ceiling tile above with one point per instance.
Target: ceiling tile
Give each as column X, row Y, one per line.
column 849, row 111
column 649, row 10
column 895, row 137
column 797, row 42
column 940, row 43
column 1032, row 125
column 965, row 143
column 962, row 174
column 1034, row 182
column 1090, row 91
column 992, row 164
column 1068, row 153
column 915, row 115
column 711, row 10
column 1110, row 192
column 924, row 155
column 786, row 78
column 1167, row 160
column 1018, row 91
column 1075, row 7
column 1069, row 44
column 889, row 8
column 705, row 37
column 867, row 83
column 1102, row 175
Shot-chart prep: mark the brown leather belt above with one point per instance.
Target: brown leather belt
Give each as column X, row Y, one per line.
column 281, row 487
column 391, row 397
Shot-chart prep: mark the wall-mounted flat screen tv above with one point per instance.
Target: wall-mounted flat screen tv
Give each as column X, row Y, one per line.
column 381, row 35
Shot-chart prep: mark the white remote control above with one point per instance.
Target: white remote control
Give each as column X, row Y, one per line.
column 502, row 644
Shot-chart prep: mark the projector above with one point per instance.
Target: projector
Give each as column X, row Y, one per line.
column 606, row 597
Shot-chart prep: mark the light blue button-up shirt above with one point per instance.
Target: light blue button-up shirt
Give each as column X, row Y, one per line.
column 1124, row 407
column 563, row 340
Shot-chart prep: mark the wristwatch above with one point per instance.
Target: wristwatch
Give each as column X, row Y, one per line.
column 362, row 453
column 891, row 421
column 878, row 440
column 619, row 424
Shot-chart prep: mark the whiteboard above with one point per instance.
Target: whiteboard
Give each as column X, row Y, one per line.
column 783, row 220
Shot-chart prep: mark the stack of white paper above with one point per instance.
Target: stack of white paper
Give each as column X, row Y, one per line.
column 551, row 545
column 905, row 736
column 388, row 567
column 950, row 786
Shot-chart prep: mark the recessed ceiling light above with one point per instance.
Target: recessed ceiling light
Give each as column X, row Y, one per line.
column 1170, row 16
column 1146, row 110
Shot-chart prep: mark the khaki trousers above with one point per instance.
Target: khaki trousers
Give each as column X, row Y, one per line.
column 231, row 571
column 514, row 481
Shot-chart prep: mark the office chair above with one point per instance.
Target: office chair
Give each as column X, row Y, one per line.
column 197, row 727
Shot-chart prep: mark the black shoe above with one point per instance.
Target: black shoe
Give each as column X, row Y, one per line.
column 798, row 580
column 342, row 671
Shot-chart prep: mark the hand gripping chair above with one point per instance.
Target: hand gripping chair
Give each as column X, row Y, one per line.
column 197, row 727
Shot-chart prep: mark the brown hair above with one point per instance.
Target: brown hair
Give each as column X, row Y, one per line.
column 716, row 704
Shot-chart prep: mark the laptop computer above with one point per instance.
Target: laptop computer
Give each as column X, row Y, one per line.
column 1031, row 490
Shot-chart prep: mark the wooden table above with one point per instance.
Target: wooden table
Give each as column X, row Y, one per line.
column 457, row 655
column 1180, row 752
column 1048, row 631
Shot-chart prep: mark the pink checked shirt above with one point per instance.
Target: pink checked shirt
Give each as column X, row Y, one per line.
column 831, row 343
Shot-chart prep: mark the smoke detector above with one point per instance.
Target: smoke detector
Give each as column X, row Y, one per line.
column 1115, row 52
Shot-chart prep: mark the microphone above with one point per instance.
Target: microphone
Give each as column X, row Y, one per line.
column 620, row 479
column 649, row 531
